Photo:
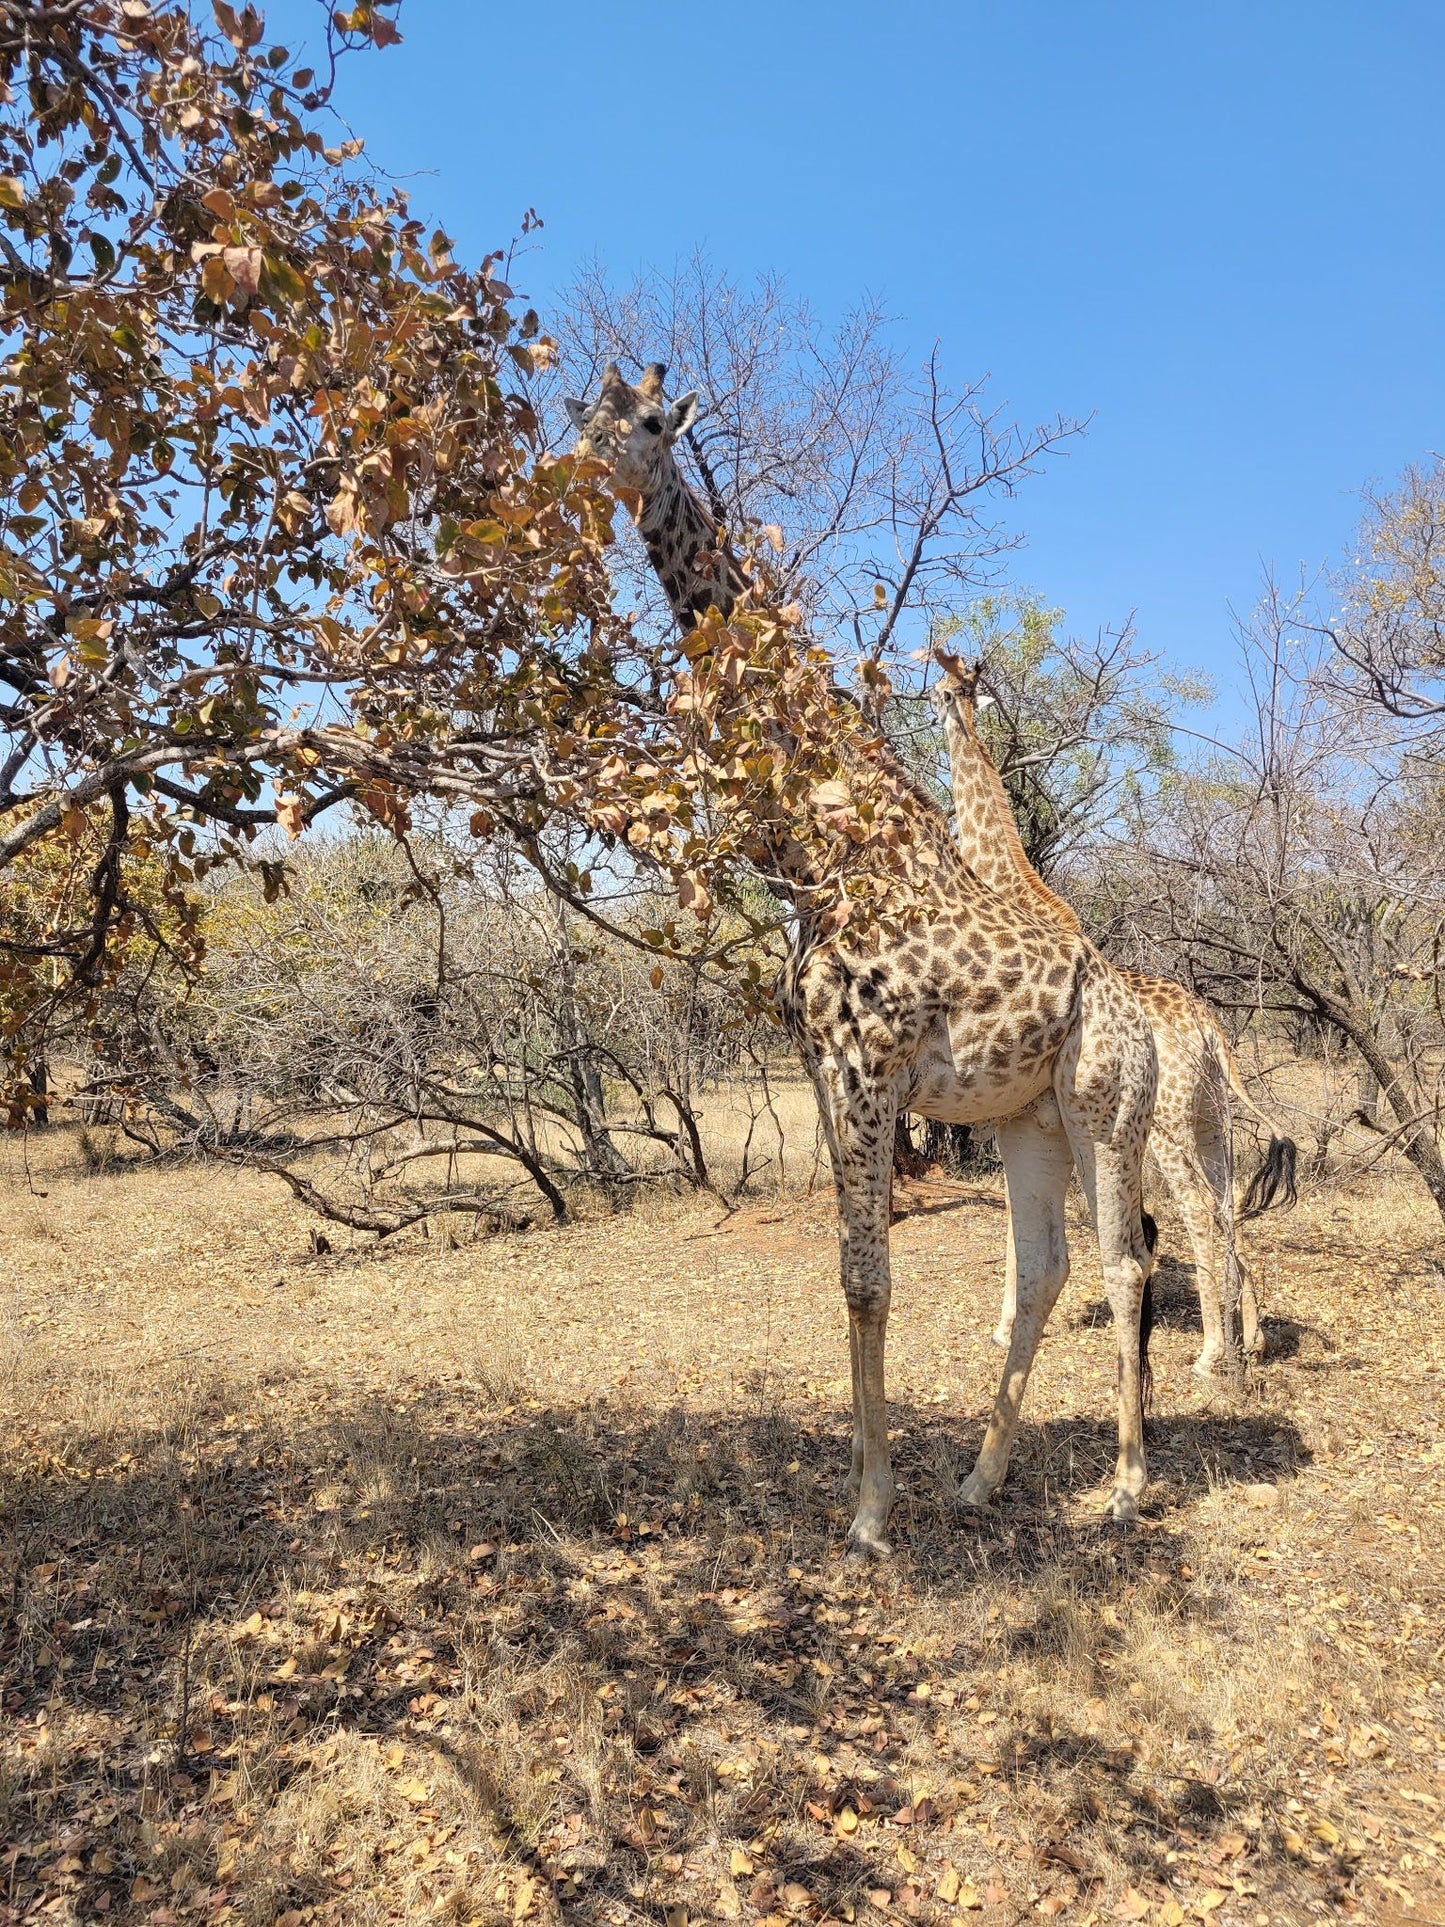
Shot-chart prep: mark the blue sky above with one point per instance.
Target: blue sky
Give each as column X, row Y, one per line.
column 1217, row 229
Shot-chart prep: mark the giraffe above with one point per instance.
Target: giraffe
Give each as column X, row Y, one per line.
column 1191, row 1136
column 983, row 1008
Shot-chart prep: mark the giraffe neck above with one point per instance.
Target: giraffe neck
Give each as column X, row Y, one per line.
column 984, row 824
column 696, row 573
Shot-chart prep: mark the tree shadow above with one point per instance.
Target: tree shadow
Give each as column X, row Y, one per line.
column 682, row 1567
column 930, row 1205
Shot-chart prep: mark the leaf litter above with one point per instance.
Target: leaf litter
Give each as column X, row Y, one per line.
column 506, row 1584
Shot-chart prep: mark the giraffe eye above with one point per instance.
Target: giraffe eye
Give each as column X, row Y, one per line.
column 653, row 426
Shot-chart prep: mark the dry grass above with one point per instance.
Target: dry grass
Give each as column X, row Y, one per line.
column 504, row 1581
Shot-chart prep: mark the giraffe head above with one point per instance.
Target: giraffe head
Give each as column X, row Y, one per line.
column 631, row 429
column 956, row 692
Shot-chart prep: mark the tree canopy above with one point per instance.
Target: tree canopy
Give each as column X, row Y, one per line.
column 281, row 531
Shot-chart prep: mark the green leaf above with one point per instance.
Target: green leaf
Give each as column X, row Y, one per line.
column 280, row 278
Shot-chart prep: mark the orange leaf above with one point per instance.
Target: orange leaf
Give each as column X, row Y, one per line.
column 216, row 280
column 244, row 267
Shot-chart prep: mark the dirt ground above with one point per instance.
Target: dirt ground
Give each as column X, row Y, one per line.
column 504, row 1582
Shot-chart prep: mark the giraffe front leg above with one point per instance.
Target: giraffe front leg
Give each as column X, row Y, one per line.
column 855, row 1469
column 867, row 1536
column 859, row 1129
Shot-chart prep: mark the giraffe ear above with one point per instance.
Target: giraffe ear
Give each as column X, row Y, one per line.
column 682, row 414
column 981, row 703
column 576, row 411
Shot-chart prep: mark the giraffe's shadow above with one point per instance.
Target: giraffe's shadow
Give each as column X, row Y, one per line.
column 1176, row 1309
column 1176, row 1301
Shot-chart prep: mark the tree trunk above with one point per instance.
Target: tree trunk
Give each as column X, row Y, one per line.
column 906, row 1161
column 959, row 1150
column 1418, row 1141
column 588, row 1095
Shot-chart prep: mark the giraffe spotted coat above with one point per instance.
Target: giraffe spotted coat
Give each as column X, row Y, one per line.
column 1192, row 1134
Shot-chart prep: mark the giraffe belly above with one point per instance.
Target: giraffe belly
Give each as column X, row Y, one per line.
column 974, row 1080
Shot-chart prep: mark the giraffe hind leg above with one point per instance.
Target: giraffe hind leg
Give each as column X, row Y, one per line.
column 1216, row 1153
column 1211, row 1244
column 1111, row 1184
column 1003, row 1330
column 1038, row 1162
column 1105, row 1083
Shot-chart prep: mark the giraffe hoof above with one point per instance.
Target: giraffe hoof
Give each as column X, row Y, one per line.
column 1203, row 1367
column 974, row 1494
column 865, row 1543
column 1122, row 1507
column 1000, row 1338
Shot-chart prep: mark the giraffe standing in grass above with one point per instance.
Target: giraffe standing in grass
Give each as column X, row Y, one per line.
column 984, row 1009
column 1192, row 1135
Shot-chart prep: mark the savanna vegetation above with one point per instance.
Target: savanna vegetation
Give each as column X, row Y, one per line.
column 423, row 1398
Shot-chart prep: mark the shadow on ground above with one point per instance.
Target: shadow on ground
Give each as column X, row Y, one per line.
column 665, row 1574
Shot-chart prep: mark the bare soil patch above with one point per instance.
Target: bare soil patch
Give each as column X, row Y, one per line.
column 504, row 1582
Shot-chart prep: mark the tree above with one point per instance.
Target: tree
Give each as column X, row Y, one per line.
column 281, row 532
column 876, row 483
column 272, row 509
column 1388, row 627
column 1078, row 731
column 1301, row 875
column 418, row 1027
column 284, row 535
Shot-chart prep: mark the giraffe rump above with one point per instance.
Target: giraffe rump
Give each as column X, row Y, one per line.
column 1274, row 1182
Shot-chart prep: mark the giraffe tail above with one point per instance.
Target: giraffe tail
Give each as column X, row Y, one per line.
column 1274, row 1182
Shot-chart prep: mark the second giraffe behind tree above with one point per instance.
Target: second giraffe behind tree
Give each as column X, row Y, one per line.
column 1192, row 1136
